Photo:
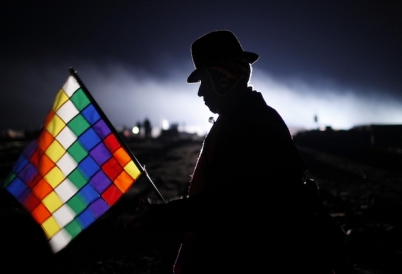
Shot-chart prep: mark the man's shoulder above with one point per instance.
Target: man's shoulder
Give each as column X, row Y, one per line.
column 256, row 117
column 254, row 109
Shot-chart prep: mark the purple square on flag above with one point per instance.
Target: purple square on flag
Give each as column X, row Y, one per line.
column 28, row 173
column 99, row 207
column 30, row 149
column 100, row 153
column 24, row 195
column 101, row 129
column 20, row 164
column 100, row 181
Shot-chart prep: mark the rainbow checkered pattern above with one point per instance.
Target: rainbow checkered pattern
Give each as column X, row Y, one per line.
column 76, row 169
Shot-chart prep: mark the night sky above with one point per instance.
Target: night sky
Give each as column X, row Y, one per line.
column 339, row 60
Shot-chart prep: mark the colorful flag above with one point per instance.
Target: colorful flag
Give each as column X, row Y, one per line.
column 75, row 170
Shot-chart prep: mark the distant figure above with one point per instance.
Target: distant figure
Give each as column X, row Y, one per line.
column 147, row 128
column 316, row 120
column 244, row 212
column 126, row 132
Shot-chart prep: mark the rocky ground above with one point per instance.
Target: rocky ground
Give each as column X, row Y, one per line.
column 361, row 188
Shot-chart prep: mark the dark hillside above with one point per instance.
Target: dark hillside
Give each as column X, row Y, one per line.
column 360, row 184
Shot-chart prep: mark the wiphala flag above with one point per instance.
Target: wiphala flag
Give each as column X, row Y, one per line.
column 75, row 170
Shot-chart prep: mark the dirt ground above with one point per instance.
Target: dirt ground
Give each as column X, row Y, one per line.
column 361, row 191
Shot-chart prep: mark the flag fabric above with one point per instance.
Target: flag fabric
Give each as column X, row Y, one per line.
column 75, row 170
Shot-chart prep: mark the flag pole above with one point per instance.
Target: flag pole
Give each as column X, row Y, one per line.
column 144, row 171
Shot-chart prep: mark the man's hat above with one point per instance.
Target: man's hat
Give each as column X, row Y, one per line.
column 214, row 48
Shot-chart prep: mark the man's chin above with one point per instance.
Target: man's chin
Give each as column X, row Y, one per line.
column 213, row 110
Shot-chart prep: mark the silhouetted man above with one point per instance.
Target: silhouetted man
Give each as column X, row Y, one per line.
column 243, row 212
column 147, row 128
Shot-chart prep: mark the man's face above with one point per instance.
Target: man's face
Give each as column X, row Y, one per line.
column 211, row 98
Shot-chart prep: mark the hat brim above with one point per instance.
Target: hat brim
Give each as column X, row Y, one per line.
column 194, row 76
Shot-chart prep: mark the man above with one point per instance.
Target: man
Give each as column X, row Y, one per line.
column 243, row 212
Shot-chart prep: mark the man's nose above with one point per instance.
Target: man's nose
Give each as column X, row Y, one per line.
column 200, row 92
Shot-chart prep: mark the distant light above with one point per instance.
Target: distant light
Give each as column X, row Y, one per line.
column 136, row 130
column 165, row 124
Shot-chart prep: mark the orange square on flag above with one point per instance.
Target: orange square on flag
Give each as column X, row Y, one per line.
column 122, row 156
column 123, row 181
column 44, row 140
column 45, row 165
column 42, row 189
column 40, row 213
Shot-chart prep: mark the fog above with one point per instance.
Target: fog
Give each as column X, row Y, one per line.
column 128, row 95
